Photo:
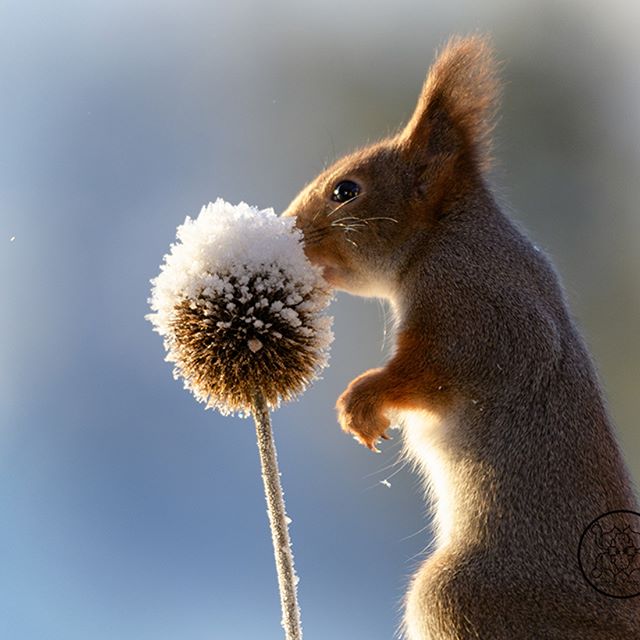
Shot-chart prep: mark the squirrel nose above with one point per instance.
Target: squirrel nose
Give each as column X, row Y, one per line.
column 288, row 212
column 291, row 212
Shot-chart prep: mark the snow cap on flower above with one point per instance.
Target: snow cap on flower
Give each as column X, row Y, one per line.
column 241, row 309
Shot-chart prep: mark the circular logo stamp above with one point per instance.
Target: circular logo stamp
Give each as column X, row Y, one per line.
column 609, row 554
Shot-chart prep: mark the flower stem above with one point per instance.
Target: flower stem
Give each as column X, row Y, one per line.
column 287, row 579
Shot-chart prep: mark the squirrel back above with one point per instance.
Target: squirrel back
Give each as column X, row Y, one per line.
column 499, row 400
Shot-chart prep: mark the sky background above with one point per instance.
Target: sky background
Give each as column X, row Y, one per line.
column 128, row 511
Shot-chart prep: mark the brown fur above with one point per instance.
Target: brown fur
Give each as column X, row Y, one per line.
column 502, row 407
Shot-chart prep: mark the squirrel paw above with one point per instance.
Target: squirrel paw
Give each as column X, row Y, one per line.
column 360, row 410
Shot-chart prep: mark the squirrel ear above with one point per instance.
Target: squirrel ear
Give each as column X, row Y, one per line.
column 456, row 108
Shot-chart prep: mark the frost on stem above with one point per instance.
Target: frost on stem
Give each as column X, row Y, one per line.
column 241, row 308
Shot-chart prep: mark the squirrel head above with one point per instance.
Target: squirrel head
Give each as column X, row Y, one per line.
column 359, row 215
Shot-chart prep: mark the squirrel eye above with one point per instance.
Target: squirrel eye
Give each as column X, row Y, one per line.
column 345, row 191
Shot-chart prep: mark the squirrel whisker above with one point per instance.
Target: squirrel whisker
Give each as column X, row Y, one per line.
column 342, row 204
column 339, row 223
column 315, row 235
column 379, row 218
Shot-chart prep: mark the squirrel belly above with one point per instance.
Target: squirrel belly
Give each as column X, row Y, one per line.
column 501, row 409
column 507, row 528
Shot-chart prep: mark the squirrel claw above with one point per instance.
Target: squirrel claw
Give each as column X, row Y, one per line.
column 369, row 444
column 372, row 447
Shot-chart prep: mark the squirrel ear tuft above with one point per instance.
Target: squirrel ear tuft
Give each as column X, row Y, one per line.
column 456, row 109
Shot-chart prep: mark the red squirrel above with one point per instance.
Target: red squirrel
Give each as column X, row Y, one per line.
column 500, row 406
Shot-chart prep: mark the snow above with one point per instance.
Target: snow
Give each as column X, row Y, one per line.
column 226, row 238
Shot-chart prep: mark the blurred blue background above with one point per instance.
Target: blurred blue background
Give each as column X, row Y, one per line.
column 126, row 510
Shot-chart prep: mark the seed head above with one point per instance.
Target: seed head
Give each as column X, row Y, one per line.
column 240, row 308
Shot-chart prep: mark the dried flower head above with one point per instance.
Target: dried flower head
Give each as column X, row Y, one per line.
column 241, row 308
